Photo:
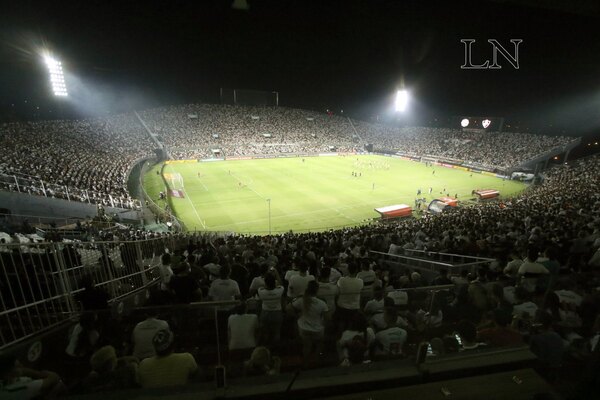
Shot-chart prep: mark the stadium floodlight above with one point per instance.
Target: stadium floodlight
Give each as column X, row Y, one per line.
column 57, row 78
column 401, row 100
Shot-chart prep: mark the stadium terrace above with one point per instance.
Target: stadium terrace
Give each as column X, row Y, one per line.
column 513, row 278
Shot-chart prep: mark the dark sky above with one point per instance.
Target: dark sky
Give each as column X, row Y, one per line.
column 316, row 54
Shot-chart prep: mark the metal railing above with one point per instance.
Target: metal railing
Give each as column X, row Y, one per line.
column 435, row 261
column 39, row 282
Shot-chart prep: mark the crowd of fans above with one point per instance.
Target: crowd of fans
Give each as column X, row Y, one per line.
column 85, row 160
column 488, row 149
column 326, row 291
column 195, row 130
column 88, row 160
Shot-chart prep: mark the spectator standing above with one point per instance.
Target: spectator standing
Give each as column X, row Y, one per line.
column 310, row 320
column 242, row 329
column 298, row 282
column 348, row 303
column 271, row 315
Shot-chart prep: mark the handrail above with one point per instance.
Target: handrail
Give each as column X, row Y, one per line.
column 448, row 254
column 412, row 258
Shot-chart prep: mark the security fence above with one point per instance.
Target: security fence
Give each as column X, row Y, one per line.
column 39, row 282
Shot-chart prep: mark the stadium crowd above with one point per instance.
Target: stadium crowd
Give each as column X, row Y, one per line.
column 488, row 149
column 88, row 160
column 81, row 159
column 343, row 306
column 194, row 130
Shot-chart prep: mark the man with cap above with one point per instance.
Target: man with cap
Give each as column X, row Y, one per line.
column 166, row 368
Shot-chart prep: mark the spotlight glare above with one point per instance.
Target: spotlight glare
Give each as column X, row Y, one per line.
column 401, row 100
column 57, row 78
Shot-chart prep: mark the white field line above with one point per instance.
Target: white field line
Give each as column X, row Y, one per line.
column 195, row 211
column 248, row 186
column 304, row 213
column 192, row 204
column 214, row 202
column 338, row 210
column 345, row 216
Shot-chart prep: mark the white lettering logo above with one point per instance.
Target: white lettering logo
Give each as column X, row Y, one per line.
column 496, row 48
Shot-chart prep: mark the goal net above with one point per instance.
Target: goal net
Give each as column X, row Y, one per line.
column 175, row 181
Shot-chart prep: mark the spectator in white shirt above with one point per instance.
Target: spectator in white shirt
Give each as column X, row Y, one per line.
column 348, row 302
column 369, row 279
column 298, row 282
column 327, row 291
column 213, row 268
column 395, row 247
column 355, row 343
column 531, row 270
column 271, row 315
column 375, row 305
column 389, row 341
column 242, row 329
column 258, row 281
column 18, row 382
column 524, row 308
column 310, row 320
column 224, row 288
column 143, row 333
column 166, row 273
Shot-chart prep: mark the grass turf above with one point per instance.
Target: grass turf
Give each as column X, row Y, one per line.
column 316, row 194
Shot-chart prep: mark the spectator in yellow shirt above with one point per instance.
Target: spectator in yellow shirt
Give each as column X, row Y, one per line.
column 166, row 368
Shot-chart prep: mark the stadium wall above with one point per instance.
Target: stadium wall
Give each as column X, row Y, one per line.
column 25, row 204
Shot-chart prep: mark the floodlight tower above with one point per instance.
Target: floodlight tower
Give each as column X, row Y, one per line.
column 57, row 78
column 401, row 100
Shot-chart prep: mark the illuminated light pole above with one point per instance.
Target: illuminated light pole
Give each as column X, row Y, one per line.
column 401, row 100
column 56, row 76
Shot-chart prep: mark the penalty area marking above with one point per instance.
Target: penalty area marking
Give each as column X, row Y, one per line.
column 195, row 211
column 190, row 201
column 204, row 186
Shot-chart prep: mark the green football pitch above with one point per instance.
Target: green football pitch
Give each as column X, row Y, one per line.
column 310, row 194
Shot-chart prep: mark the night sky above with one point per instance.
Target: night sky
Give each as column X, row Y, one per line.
column 349, row 55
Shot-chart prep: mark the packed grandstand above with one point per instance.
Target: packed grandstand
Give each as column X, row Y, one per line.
column 89, row 160
column 329, row 297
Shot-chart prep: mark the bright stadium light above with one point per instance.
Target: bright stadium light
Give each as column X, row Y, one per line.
column 401, row 100
column 57, row 78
